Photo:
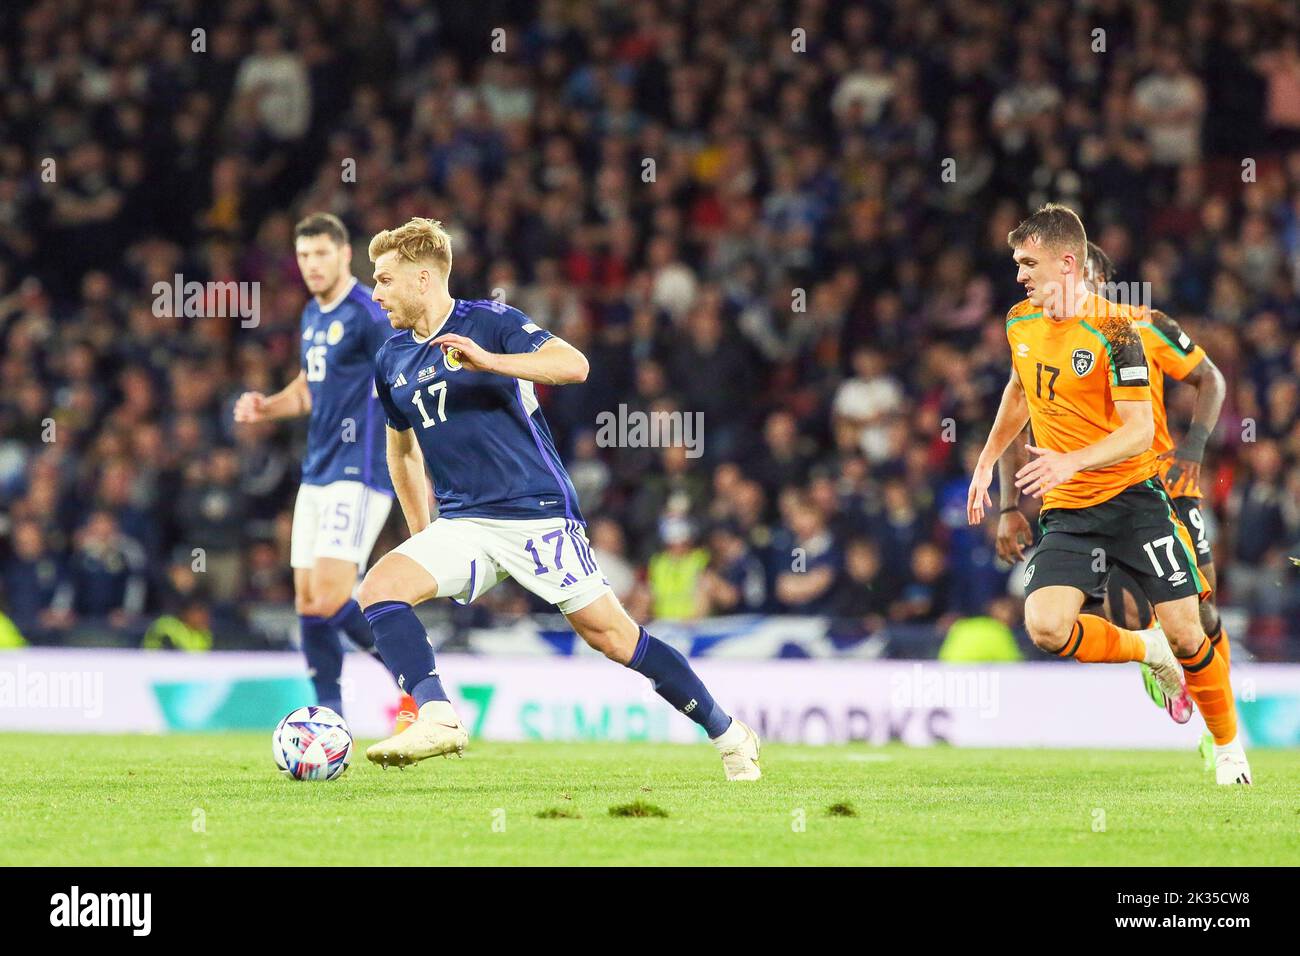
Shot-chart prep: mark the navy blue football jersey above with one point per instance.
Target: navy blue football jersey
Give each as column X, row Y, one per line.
column 483, row 435
column 345, row 434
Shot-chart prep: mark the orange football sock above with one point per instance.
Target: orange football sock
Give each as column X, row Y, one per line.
column 1098, row 641
column 1207, row 681
column 1221, row 645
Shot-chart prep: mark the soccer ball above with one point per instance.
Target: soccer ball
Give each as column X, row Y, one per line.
column 312, row 743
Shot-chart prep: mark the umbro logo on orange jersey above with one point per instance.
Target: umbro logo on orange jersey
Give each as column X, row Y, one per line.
column 1022, row 349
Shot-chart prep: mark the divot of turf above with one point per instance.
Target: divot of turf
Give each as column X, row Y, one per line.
column 558, row 813
column 637, row 808
column 843, row 809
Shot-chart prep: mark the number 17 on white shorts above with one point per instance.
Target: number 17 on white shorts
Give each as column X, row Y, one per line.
column 550, row 557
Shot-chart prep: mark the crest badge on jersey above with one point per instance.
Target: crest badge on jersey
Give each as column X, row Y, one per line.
column 1082, row 360
column 451, row 359
column 335, row 334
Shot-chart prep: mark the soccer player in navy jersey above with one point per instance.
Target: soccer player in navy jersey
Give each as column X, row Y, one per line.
column 346, row 493
column 456, row 384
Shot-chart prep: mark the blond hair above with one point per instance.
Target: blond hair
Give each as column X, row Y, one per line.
column 420, row 240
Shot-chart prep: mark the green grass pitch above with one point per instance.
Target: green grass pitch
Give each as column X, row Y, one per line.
column 217, row 799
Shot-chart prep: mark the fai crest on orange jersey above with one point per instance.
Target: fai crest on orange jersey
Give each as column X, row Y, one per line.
column 1082, row 360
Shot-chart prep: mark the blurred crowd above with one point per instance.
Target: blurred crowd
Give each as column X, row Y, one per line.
column 789, row 217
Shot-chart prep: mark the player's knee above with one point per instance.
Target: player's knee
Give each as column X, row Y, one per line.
column 1185, row 639
column 386, row 583
column 323, row 603
column 1048, row 629
column 375, row 587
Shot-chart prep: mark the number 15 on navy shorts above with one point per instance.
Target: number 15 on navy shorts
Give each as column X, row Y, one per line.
column 549, row 556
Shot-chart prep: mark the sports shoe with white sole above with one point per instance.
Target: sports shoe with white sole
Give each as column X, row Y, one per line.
column 740, row 759
column 1168, row 674
column 1231, row 768
column 433, row 734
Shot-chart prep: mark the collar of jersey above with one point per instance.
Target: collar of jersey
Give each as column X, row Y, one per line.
column 445, row 319
column 1089, row 311
column 330, row 307
column 1095, row 306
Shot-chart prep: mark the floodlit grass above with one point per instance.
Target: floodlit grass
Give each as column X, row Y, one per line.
column 212, row 800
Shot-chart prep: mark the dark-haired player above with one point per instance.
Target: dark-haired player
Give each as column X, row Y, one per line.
column 346, row 493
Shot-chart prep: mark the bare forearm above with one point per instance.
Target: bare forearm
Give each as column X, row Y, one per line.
column 292, row 401
column 796, row 587
column 1010, row 462
column 549, row 366
column 1211, row 389
column 1013, row 413
column 1131, row 438
column 412, row 489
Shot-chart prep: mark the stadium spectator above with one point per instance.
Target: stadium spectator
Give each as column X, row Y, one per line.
column 735, row 581
column 807, row 557
column 33, row 577
column 794, row 265
column 675, row 573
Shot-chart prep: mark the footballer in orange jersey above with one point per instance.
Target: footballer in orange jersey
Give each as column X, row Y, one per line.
column 1080, row 376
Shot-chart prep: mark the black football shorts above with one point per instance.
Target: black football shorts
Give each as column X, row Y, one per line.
column 1138, row 530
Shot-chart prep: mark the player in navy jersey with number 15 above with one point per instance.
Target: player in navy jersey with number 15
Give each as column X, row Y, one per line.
column 346, row 493
column 456, row 383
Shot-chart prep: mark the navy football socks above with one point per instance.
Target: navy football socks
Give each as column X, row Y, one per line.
column 352, row 622
column 676, row 683
column 404, row 646
column 324, row 652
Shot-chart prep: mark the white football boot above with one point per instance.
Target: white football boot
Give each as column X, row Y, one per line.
column 739, row 747
column 1168, row 674
column 436, row 731
column 1230, row 765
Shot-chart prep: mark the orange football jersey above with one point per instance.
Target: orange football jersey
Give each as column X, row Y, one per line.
column 1169, row 351
column 1073, row 372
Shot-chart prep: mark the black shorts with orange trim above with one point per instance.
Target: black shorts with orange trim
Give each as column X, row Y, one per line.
column 1138, row 530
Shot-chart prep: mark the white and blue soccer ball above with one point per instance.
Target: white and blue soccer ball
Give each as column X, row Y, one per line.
column 312, row 743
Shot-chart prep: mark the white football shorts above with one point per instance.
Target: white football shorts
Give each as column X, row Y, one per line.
column 549, row 556
column 339, row 520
